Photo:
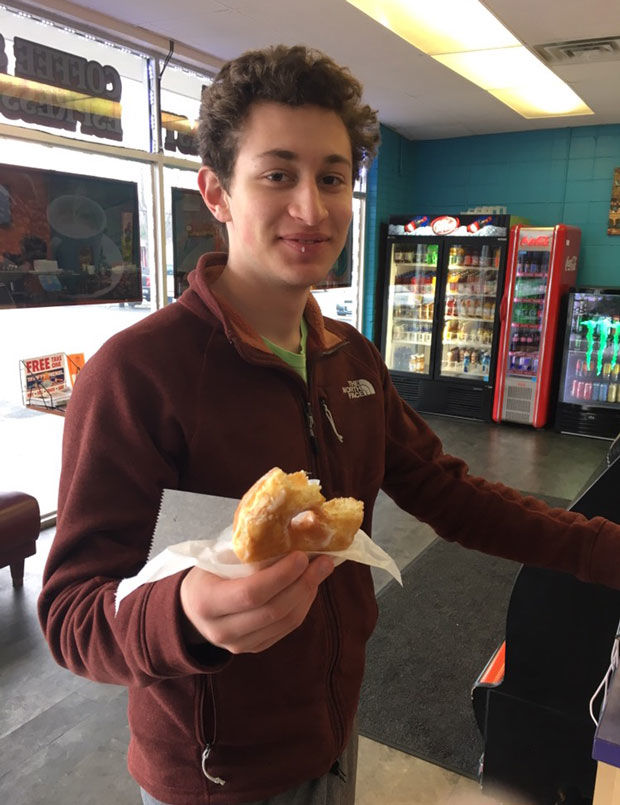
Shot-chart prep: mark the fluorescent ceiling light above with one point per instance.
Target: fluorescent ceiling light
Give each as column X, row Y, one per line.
column 497, row 68
column 542, row 101
column 451, row 25
column 464, row 36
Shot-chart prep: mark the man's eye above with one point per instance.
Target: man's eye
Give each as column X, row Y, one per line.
column 333, row 181
column 276, row 176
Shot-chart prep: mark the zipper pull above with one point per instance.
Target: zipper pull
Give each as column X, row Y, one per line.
column 310, row 421
column 205, row 754
column 330, row 419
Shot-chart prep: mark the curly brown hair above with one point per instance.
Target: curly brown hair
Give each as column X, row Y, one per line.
column 290, row 75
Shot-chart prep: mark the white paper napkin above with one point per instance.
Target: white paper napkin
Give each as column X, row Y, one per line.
column 183, row 513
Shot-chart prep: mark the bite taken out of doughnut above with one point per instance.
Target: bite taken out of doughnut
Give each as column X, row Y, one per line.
column 284, row 512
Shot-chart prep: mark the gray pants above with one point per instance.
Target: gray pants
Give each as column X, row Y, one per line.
column 331, row 789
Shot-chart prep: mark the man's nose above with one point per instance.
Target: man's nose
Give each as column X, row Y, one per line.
column 307, row 204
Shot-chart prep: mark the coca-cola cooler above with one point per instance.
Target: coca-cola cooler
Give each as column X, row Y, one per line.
column 589, row 393
column 542, row 267
column 440, row 310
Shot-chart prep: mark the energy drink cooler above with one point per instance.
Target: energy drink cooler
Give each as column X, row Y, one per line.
column 444, row 279
column 542, row 267
column 589, row 396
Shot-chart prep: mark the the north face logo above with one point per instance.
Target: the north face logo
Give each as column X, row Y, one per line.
column 358, row 388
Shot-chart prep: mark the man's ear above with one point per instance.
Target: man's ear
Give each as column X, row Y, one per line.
column 214, row 195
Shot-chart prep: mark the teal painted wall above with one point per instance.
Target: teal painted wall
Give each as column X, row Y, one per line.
column 389, row 192
column 549, row 176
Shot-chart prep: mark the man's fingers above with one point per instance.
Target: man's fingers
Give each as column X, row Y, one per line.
column 257, row 629
column 219, row 597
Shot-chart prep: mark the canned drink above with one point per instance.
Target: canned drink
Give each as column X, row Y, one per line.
column 603, row 391
column 578, row 366
column 573, row 391
column 587, row 391
column 580, row 386
column 612, row 393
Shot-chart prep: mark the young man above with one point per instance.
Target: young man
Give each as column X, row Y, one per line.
column 246, row 690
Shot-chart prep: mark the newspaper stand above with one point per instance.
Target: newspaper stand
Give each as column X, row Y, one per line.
column 47, row 381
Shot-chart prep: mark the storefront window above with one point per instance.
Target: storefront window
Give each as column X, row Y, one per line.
column 180, row 105
column 31, row 440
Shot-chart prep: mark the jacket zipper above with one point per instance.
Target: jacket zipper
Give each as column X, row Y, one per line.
column 335, row 715
column 314, row 444
column 330, row 419
column 335, row 640
column 207, row 746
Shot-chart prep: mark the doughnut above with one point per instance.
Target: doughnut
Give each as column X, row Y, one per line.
column 284, row 512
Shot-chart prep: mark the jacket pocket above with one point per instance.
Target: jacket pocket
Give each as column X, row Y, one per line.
column 206, row 728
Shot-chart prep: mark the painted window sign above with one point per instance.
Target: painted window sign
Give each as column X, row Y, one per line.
column 51, row 87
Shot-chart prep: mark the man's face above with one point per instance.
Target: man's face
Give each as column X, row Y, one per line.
column 288, row 208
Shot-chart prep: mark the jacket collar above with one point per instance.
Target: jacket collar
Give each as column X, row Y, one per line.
column 199, row 295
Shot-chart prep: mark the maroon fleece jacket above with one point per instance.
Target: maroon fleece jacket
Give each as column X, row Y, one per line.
column 190, row 398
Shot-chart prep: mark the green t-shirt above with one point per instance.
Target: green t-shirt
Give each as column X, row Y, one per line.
column 296, row 360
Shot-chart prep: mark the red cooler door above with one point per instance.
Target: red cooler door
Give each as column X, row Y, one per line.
column 526, row 336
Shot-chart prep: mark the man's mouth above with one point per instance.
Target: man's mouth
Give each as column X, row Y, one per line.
column 304, row 244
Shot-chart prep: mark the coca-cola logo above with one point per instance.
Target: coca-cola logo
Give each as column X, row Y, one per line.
column 444, row 224
column 538, row 240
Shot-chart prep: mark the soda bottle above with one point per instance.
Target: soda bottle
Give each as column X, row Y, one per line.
column 484, row 256
column 612, row 393
column 479, row 223
column 544, row 264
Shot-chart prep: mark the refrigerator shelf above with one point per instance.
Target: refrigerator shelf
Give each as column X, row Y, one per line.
column 420, row 341
column 454, row 266
column 526, row 325
column 471, row 293
column 425, row 266
column 531, row 300
column 517, row 373
column 533, row 276
column 467, row 343
column 467, row 318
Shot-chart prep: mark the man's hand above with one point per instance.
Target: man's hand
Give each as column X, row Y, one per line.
column 252, row 613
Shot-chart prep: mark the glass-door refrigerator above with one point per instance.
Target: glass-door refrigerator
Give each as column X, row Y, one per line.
column 542, row 267
column 443, row 283
column 589, row 393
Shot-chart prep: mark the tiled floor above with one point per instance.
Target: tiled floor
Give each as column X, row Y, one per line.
column 63, row 739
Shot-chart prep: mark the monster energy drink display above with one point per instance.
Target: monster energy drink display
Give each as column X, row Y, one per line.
column 591, row 365
column 594, row 350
